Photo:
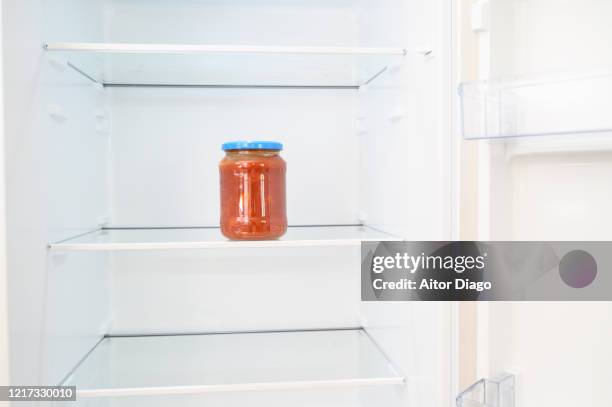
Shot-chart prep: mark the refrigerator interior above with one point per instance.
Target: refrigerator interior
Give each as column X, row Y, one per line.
column 537, row 166
column 116, row 116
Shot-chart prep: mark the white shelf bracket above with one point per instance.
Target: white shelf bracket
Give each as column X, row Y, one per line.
column 58, row 63
column 396, row 114
column 426, row 52
column 57, row 113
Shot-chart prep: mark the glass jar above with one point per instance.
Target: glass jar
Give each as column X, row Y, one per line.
column 252, row 176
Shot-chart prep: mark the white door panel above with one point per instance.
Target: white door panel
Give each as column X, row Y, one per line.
column 549, row 188
column 559, row 351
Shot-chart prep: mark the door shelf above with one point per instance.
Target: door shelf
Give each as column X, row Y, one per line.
column 113, row 64
column 211, row 238
column 234, row 362
column 496, row 392
column 536, row 106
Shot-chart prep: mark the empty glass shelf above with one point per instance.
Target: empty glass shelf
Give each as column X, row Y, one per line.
column 182, row 364
column 536, row 106
column 225, row 65
column 203, row 238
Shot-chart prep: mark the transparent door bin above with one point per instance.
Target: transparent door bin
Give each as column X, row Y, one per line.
column 536, row 106
column 498, row 392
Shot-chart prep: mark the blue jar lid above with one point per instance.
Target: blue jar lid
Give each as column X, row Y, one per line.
column 252, row 145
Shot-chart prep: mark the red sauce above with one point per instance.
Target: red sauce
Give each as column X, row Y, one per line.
column 253, row 195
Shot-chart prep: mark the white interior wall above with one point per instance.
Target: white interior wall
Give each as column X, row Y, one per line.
column 166, row 142
column 166, row 148
column 4, row 315
column 162, row 137
column 406, row 173
column 405, row 115
column 191, row 291
column 340, row 397
column 77, row 301
column 55, row 185
column 422, row 129
column 237, row 22
column 165, row 155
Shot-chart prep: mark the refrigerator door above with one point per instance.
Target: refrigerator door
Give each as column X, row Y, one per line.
column 536, row 142
column 534, row 168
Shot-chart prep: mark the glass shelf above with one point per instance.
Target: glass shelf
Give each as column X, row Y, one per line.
column 187, row 364
column 225, row 65
column 210, row 238
column 536, row 106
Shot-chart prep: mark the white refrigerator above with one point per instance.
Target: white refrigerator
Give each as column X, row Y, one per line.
column 401, row 120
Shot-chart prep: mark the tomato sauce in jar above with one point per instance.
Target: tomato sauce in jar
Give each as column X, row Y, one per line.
column 252, row 177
